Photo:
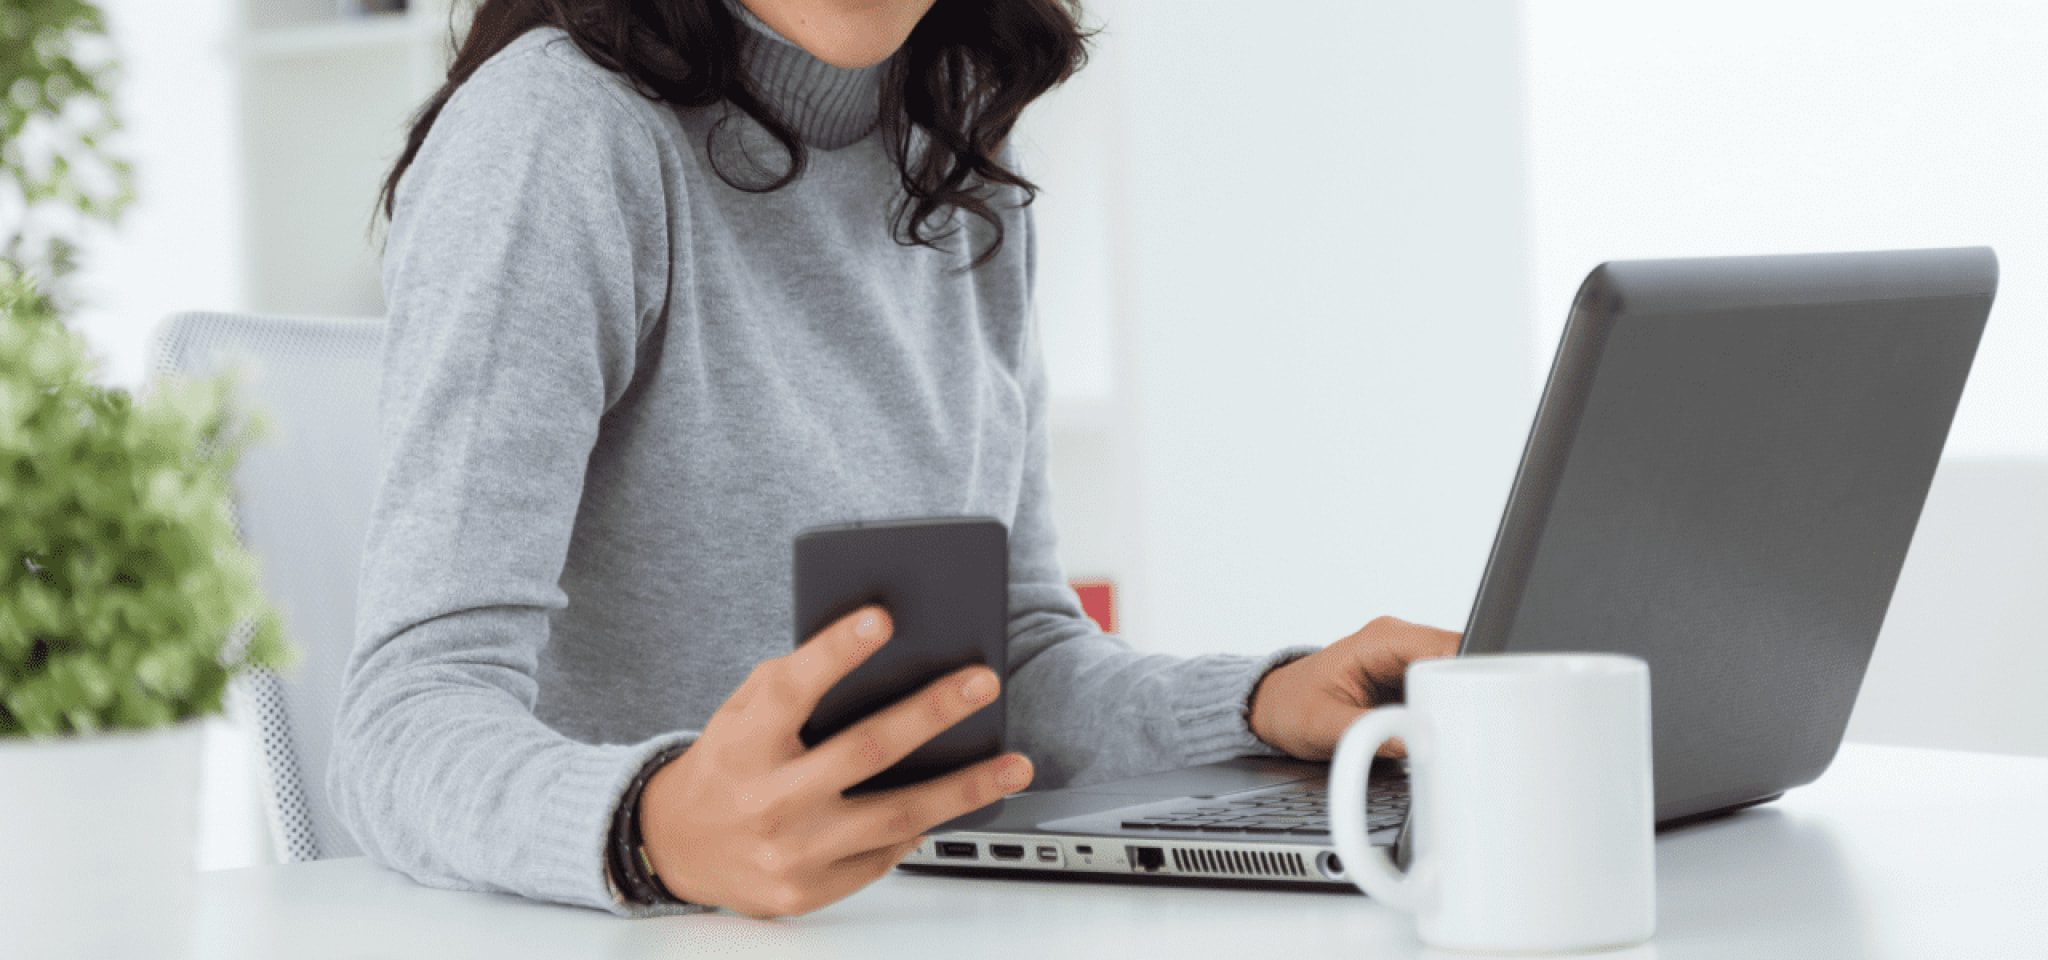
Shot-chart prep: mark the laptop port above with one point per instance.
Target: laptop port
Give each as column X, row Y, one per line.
column 1048, row 854
column 1330, row 865
column 1006, row 851
column 955, row 850
column 1148, row 859
column 1084, row 849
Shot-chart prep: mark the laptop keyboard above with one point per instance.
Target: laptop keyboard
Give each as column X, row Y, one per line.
column 1296, row 810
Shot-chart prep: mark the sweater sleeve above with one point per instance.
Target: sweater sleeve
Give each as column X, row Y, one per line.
column 527, row 259
column 1083, row 705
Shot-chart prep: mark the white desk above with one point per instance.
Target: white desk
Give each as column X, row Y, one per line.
column 1894, row 853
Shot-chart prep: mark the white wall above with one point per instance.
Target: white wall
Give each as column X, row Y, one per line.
column 1765, row 126
column 1069, row 144
column 177, row 250
column 1326, row 300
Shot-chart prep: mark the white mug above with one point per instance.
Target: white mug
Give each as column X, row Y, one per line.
column 1531, row 822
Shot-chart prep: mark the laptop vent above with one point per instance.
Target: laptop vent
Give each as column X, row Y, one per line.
column 1239, row 863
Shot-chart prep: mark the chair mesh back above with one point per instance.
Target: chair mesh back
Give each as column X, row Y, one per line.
column 302, row 504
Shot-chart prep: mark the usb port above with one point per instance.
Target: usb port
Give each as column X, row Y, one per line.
column 955, row 850
column 1006, row 851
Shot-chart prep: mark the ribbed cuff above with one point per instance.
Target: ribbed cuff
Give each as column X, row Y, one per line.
column 575, row 826
column 1212, row 704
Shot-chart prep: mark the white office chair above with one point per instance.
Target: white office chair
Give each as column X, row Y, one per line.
column 302, row 502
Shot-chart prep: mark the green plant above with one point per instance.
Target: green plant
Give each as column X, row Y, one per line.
column 58, row 174
column 126, row 597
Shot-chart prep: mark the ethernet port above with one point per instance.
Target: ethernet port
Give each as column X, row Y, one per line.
column 1147, row 859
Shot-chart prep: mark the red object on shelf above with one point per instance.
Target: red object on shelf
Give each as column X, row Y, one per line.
column 1098, row 601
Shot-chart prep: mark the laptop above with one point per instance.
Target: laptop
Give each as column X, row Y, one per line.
column 1723, row 476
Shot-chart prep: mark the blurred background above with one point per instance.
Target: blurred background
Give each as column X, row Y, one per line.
column 1303, row 265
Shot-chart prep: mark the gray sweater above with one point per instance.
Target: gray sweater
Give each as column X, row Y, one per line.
column 614, row 388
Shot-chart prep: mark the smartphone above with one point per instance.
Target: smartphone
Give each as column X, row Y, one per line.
column 945, row 582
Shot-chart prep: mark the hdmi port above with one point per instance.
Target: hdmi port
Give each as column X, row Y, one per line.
column 954, row 850
column 1006, row 851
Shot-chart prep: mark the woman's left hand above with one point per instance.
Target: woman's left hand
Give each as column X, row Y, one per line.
column 1305, row 706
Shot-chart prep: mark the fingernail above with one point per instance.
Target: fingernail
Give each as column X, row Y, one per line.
column 867, row 626
column 979, row 688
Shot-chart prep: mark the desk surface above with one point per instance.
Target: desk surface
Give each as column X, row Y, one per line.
column 1893, row 853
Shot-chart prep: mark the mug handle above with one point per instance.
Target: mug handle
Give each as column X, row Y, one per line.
column 1371, row 869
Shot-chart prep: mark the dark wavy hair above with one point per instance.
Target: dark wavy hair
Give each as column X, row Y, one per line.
column 965, row 74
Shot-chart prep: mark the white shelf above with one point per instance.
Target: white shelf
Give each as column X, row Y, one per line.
column 369, row 32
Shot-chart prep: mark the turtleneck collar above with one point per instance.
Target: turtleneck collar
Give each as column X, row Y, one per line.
column 829, row 107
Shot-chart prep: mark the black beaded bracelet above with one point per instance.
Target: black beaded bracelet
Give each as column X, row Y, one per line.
column 626, row 857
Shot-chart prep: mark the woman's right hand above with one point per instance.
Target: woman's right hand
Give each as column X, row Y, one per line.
column 750, row 820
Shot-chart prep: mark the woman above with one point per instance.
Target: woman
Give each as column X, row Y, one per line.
column 668, row 282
